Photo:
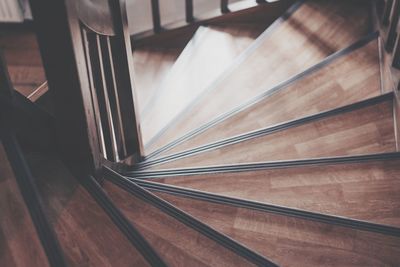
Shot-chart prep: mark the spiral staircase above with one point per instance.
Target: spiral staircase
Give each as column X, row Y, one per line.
column 264, row 145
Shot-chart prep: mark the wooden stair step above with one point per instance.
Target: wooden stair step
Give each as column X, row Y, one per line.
column 210, row 52
column 364, row 191
column 288, row 240
column 151, row 65
column 350, row 77
column 25, row 65
column 311, row 33
column 175, row 242
column 19, row 242
column 365, row 130
column 86, row 234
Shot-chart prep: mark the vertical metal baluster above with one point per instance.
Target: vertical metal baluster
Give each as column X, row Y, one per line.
column 396, row 55
column 107, row 105
column 155, row 11
column 114, row 97
column 394, row 20
column 386, row 12
column 95, row 60
column 224, row 6
column 95, row 101
column 189, row 11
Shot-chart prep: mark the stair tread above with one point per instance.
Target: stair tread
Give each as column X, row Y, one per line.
column 365, row 130
column 350, row 78
column 86, row 234
column 175, row 242
column 19, row 242
column 286, row 240
column 24, row 61
column 210, row 51
column 151, row 67
column 314, row 31
column 363, row 191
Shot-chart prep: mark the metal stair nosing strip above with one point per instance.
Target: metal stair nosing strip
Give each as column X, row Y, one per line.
column 236, row 62
column 266, row 131
column 171, row 173
column 123, row 224
column 32, row 200
column 185, row 218
column 265, row 207
column 267, row 93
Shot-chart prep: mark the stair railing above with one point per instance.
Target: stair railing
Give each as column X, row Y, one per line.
column 225, row 7
column 86, row 51
column 391, row 26
column 391, row 30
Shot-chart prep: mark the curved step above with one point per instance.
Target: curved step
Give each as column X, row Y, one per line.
column 364, row 190
column 292, row 241
column 348, row 76
column 20, row 244
column 362, row 128
column 305, row 37
column 86, row 233
column 23, row 58
column 178, row 238
column 151, row 65
column 210, row 51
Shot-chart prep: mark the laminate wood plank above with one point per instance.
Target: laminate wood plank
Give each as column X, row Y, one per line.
column 208, row 54
column 316, row 30
column 26, row 75
column 151, row 67
column 175, row 242
column 363, row 131
column 86, row 234
column 364, row 191
column 350, row 78
column 24, row 61
column 19, row 242
column 292, row 241
column 18, row 38
column 23, row 56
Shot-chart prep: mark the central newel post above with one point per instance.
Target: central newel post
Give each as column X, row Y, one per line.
column 87, row 54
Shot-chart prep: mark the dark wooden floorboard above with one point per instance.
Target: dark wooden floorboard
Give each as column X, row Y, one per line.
column 23, row 58
column 86, row 234
column 175, row 242
column 19, row 241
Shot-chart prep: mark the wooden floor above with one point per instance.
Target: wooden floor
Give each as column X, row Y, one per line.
column 23, row 58
column 363, row 191
column 316, row 30
column 19, row 242
column 209, row 53
column 348, row 79
column 151, row 66
column 86, row 234
column 363, row 131
column 290, row 241
column 176, row 243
